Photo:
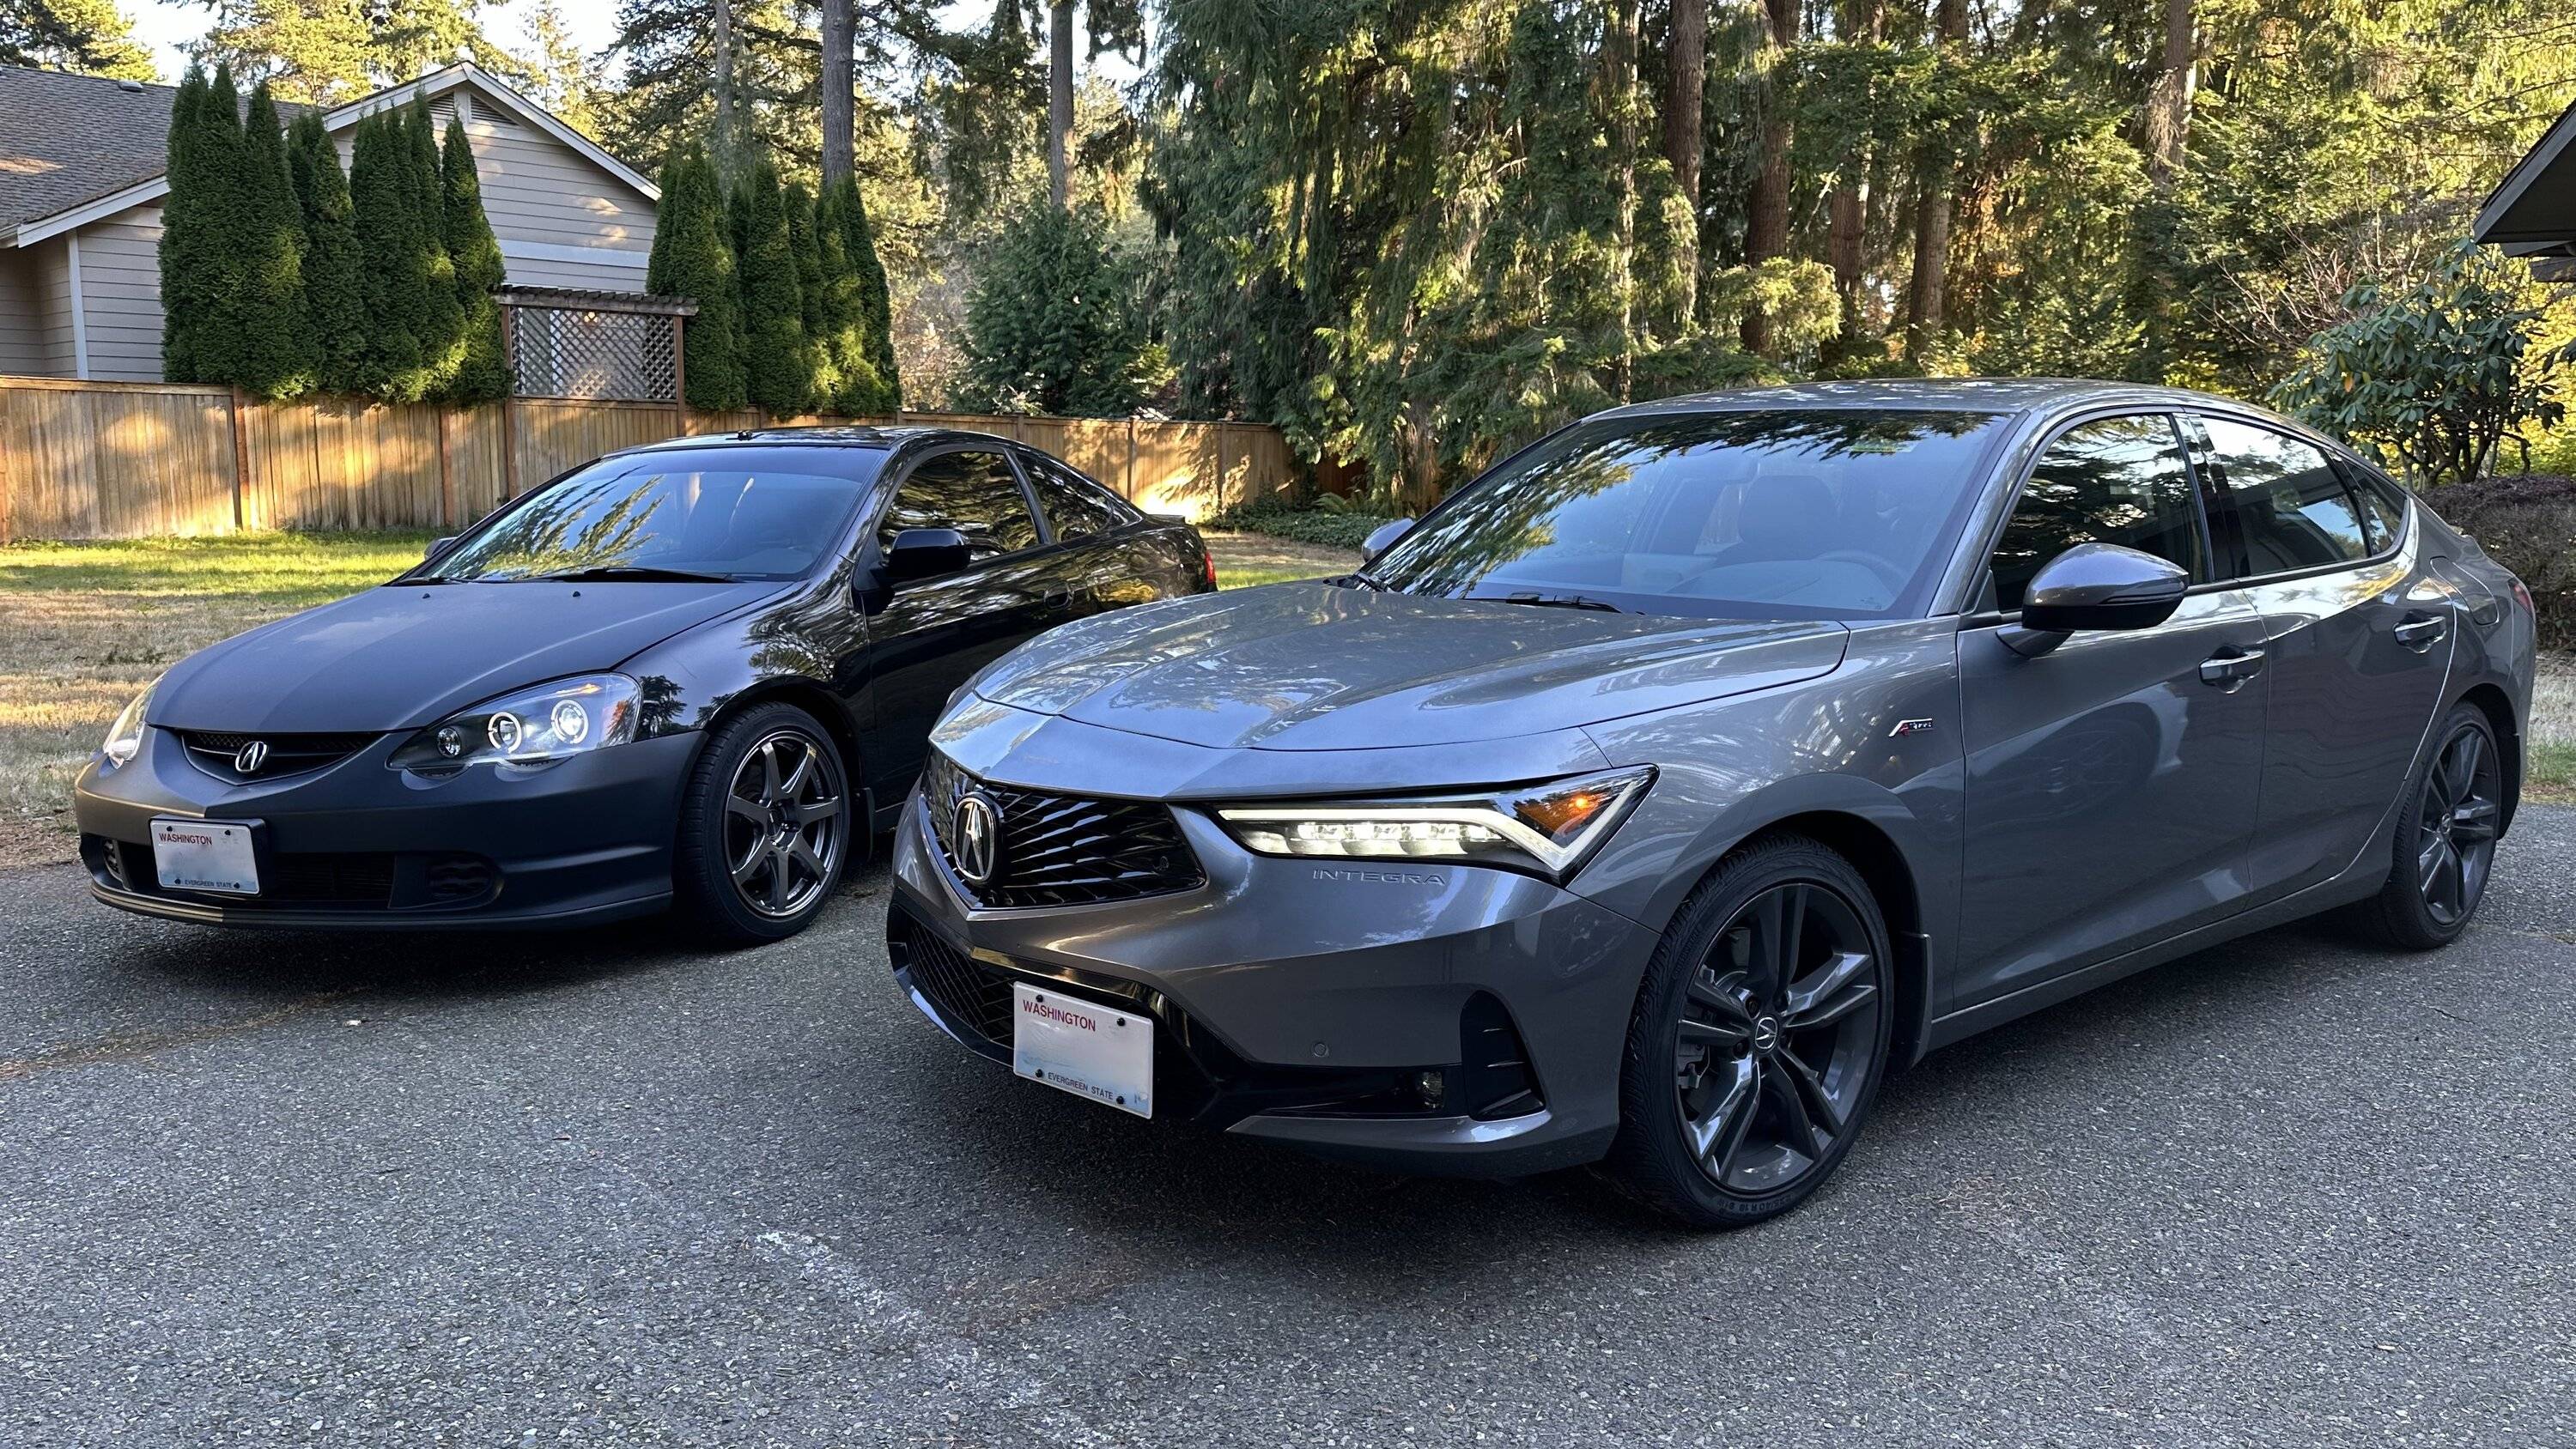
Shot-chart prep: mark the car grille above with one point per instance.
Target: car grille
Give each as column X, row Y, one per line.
column 1063, row 850
column 214, row 752
column 305, row 880
column 964, row 992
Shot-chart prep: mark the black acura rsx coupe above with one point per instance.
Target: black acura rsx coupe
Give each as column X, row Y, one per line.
column 1663, row 789
column 696, row 674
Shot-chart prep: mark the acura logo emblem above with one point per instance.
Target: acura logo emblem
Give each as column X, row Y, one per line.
column 250, row 757
column 979, row 837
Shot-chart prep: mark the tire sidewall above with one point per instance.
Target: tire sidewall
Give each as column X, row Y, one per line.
column 702, row 883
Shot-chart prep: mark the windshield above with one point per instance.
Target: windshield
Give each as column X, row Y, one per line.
column 718, row 514
column 1822, row 513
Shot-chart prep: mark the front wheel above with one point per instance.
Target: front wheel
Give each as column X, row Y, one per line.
column 764, row 827
column 1758, row 1040
column 2446, row 839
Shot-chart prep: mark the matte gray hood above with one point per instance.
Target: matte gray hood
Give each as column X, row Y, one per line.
column 406, row 655
column 1315, row 666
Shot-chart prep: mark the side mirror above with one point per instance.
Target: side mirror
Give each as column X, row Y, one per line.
column 926, row 553
column 1384, row 537
column 439, row 546
column 2096, row 586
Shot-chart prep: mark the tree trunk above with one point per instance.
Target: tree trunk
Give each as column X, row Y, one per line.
column 837, row 131
column 1684, row 126
column 1847, row 223
column 727, row 139
column 1766, row 229
column 1927, row 297
column 1619, row 67
column 1059, row 102
column 2168, row 128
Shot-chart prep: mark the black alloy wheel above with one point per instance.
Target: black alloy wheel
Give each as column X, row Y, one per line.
column 2446, row 839
column 765, row 826
column 1759, row 1038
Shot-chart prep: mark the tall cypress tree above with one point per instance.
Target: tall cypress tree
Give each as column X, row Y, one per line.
column 483, row 373
column 334, row 301
column 775, row 371
column 692, row 258
column 822, row 372
column 185, row 243
column 392, row 270
column 875, row 305
column 442, row 334
column 218, row 347
column 276, row 354
column 855, row 388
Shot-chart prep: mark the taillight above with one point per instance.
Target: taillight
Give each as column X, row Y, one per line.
column 2522, row 596
column 1207, row 569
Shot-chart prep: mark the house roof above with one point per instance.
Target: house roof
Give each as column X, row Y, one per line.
column 65, row 139
column 2532, row 212
column 74, row 149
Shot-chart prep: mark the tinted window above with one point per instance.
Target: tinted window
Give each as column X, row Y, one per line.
column 750, row 513
column 2120, row 480
column 1772, row 514
column 1075, row 506
column 972, row 492
column 2289, row 503
column 2383, row 503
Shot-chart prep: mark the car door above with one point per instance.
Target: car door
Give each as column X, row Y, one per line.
column 927, row 636
column 2358, row 638
column 2110, row 786
column 1106, row 564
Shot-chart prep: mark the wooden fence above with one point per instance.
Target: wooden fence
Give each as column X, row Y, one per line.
column 128, row 460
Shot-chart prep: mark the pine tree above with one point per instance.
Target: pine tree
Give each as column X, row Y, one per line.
column 218, row 347
column 775, row 371
column 276, row 356
column 334, row 300
column 692, row 258
column 85, row 37
column 876, row 307
column 483, row 374
column 804, row 238
column 392, row 270
column 442, row 334
column 185, row 244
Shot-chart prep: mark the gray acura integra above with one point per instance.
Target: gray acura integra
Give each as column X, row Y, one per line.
column 1655, row 795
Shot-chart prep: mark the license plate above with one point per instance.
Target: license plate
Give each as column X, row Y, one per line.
column 1105, row 1053
column 204, row 855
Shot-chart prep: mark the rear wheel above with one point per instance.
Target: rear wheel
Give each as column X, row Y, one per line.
column 764, row 827
column 2446, row 839
column 1758, row 1041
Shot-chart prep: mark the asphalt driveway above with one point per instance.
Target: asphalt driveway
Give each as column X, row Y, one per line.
column 292, row 1189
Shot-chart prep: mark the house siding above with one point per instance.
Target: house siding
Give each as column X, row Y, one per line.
column 121, row 286
column 53, row 274
column 23, row 348
column 538, row 190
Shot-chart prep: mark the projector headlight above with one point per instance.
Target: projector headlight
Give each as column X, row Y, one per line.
column 530, row 727
column 125, row 736
column 1546, row 830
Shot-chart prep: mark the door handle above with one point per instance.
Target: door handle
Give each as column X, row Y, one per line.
column 2230, row 668
column 1060, row 599
column 2420, row 632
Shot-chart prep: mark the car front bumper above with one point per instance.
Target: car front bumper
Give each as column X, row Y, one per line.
column 358, row 845
column 1303, row 1001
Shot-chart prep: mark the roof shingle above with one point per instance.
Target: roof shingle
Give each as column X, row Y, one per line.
column 67, row 139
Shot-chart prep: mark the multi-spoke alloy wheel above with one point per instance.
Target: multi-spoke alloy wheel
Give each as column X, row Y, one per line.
column 784, row 823
column 2454, row 808
column 764, row 826
column 1758, row 1039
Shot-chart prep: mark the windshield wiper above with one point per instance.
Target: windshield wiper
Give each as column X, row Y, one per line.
column 1563, row 601
column 627, row 574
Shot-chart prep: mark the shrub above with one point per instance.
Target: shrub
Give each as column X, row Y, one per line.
column 2528, row 522
column 1328, row 528
column 1052, row 324
column 693, row 258
column 334, row 299
column 483, row 374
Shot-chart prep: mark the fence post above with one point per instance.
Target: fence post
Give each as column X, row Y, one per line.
column 446, row 471
column 241, row 458
column 509, row 448
column 680, row 370
column 8, row 492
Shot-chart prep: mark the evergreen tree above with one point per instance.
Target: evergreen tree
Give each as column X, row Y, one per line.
column 86, row 37
column 1051, row 322
column 692, row 258
column 855, row 387
column 805, row 241
column 883, row 383
column 775, row 371
column 334, row 300
column 276, row 353
column 483, row 373
column 393, row 269
column 218, row 347
column 442, row 334
column 186, row 246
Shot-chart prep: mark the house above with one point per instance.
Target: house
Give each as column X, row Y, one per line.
column 2532, row 212
column 82, row 177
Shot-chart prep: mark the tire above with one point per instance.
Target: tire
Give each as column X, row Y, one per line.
column 1708, row 982
column 2447, row 823
column 740, row 875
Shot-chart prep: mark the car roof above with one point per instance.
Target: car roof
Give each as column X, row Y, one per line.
column 2002, row 395
column 834, row 435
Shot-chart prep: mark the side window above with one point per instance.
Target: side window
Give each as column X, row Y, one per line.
column 2119, row 480
column 1075, row 506
column 2383, row 502
column 972, row 492
column 2290, row 505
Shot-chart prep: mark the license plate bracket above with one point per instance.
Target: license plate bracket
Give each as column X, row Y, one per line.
column 1095, row 1050
column 216, row 857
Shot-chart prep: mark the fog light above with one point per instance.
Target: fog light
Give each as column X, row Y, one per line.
column 1427, row 1085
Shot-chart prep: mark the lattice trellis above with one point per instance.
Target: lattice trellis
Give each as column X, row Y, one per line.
column 607, row 345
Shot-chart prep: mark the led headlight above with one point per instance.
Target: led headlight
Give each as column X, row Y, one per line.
column 1547, row 830
column 126, row 735
column 531, row 727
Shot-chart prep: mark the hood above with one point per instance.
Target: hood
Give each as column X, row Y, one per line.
column 1318, row 667
column 407, row 655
